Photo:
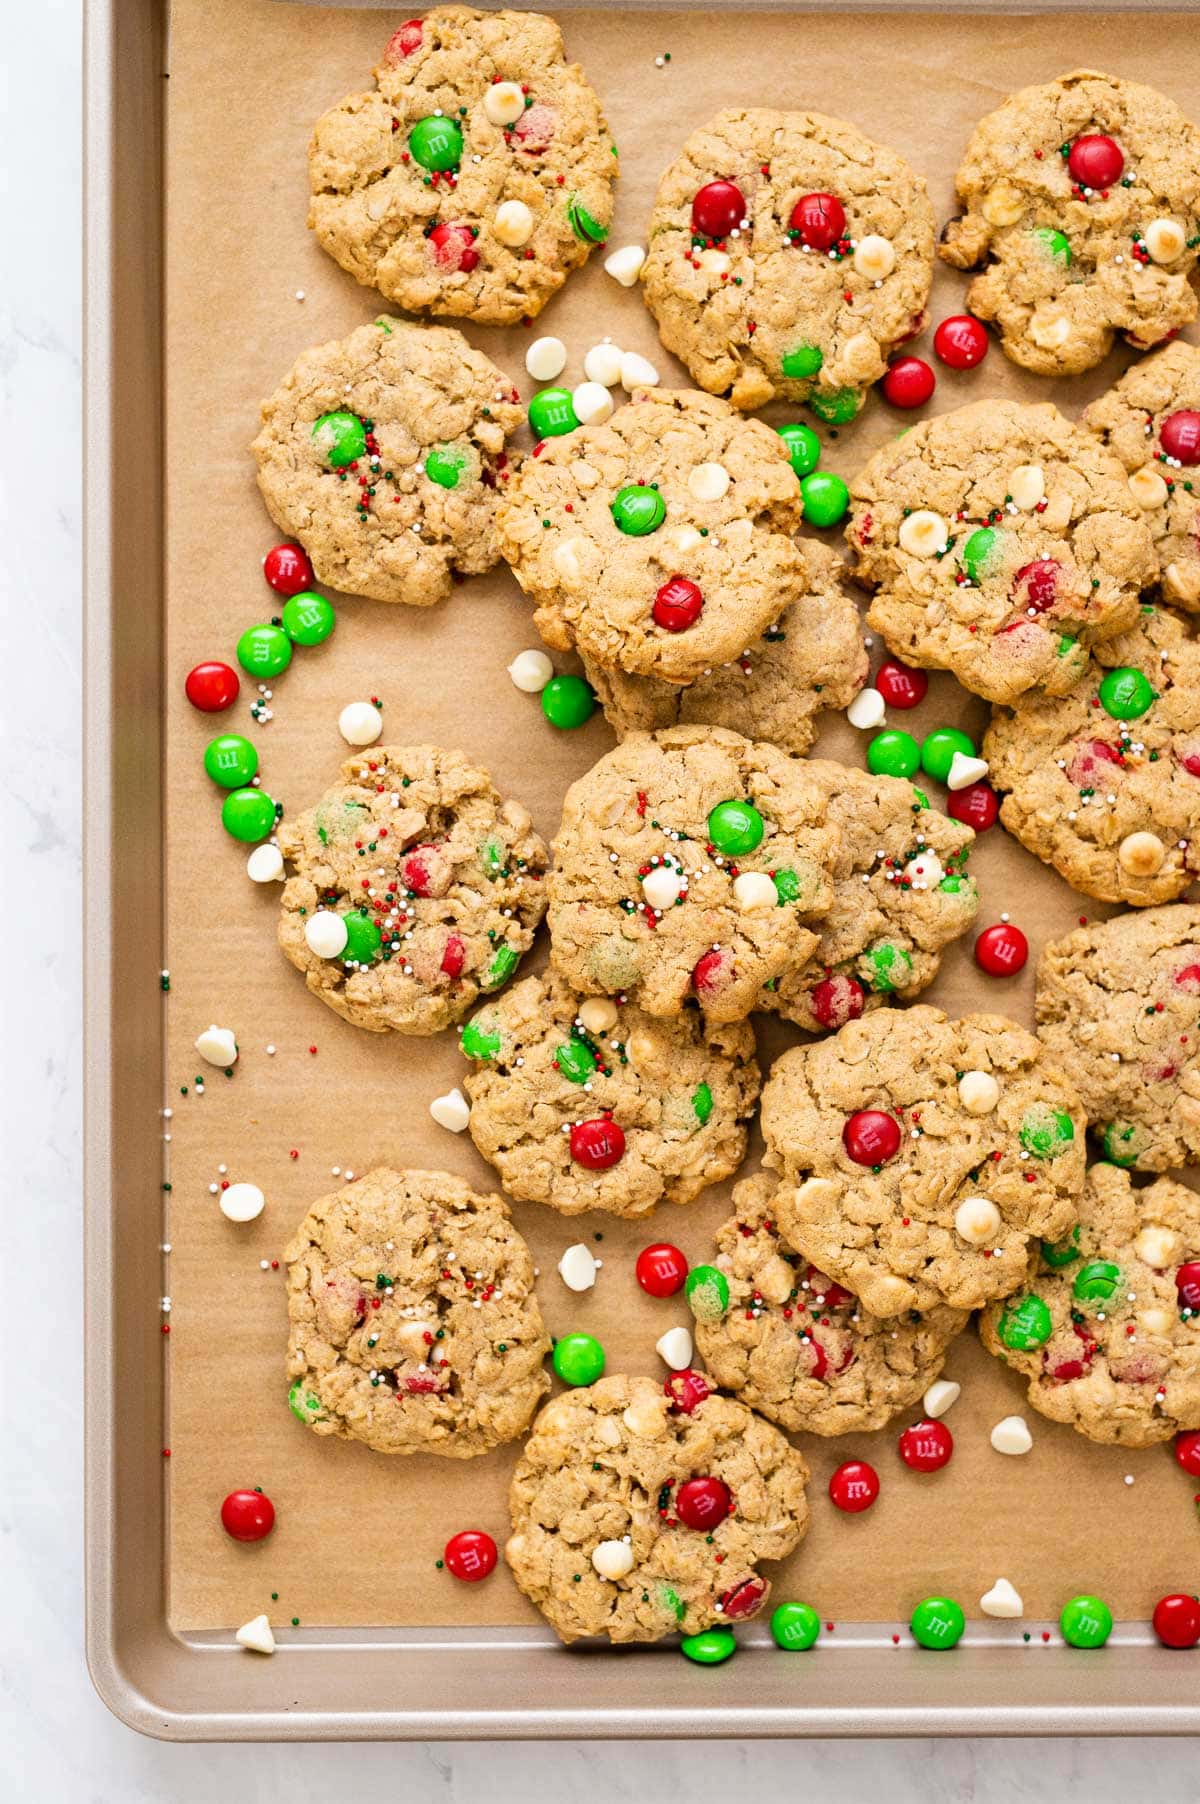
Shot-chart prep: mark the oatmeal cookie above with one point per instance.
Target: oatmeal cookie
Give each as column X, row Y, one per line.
column 384, row 454
column 788, row 256
column 1081, row 201
column 1001, row 543
column 636, row 1518
column 475, row 175
column 413, row 1321
column 1107, row 1326
column 416, row 889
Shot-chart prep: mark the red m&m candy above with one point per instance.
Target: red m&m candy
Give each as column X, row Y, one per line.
column 960, row 342
column 687, row 1390
column 871, row 1137
column 926, row 1446
column 1177, row 1620
column 743, row 1599
column 836, row 1000
column 453, row 247
column 708, row 971
column 854, row 1486
column 1179, row 436
column 900, row 685
column 1095, row 161
column 287, row 569
column 977, row 806
column 1187, row 1283
column 596, row 1144
column 703, row 1503
column 678, row 604
column 909, row 382
column 717, row 208
column 820, row 220
column 1036, row 585
column 247, row 1515
column 454, row 955
column 661, row 1269
column 1001, row 950
column 470, row 1555
column 212, row 687
column 1187, row 1452
column 403, row 41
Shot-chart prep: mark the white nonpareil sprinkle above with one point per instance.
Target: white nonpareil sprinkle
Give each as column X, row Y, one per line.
column 603, row 364
column 451, row 1111
column 577, row 1268
column 866, row 710
column 941, row 1396
column 256, row 1635
column 531, row 671
column 1002, row 1600
column 360, row 723
column 242, row 1202
column 1011, row 1435
column 674, row 1348
column 546, row 358
column 265, row 864
column 625, row 264
column 218, row 1045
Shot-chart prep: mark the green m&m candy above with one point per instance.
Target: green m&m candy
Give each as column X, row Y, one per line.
column 711, row 1648
column 835, row 406
column 551, row 413
column 436, row 142
column 341, row 438
column 801, row 362
column 578, row 1359
column 795, row 1626
column 1097, row 1281
column 264, row 651
column 363, row 939
column 707, row 1291
column 938, row 749
column 504, row 962
column 308, row 619
column 444, row 464
column 1053, row 244
column 886, row 967
column 567, row 701
column 586, row 226
column 1025, row 1324
column 825, row 497
column 1086, row 1621
column 230, row 760
column 803, row 447
column 735, row 828
column 981, row 553
column 1063, row 1252
column 787, row 886
column 1122, row 1142
column 303, row 1404
column 893, row 754
column 248, row 814
column 1126, row 693
column 702, row 1103
column 638, row 509
column 938, row 1622
column 479, row 1042
column 576, row 1061
column 1045, row 1132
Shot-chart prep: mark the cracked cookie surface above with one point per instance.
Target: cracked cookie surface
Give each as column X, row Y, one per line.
column 1068, row 264
column 384, row 453
column 413, row 1321
column 425, row 885
column 475, row 175
column 1001, row 544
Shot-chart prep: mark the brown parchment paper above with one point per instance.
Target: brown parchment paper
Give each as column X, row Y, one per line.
column 357, row 1534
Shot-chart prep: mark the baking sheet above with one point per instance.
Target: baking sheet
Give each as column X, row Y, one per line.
column 357, row 1534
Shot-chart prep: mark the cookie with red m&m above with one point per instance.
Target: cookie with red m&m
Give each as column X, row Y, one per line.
column 587, row 1103
column 788, row 255
column 474, row 176
column 413, row 1323
column 1081, row 206
column 1106, row 1325
column 919, row 1155
column 799, row 1347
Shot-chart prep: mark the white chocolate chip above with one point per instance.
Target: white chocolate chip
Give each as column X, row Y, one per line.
column 577, row 1268
column 218, row 1045
column 816, row 1194
column 566, row 558
column 1050, row 331
column 1011, row 1435
column 242, row 1202
column 941, row 1396
column 647, row 1417
column 451, row 1111
column 613, row 1559
column 603, row 364
column 978, row 1092
column 624, row 265
column 325, row 933
column 1157, row 1247
column 645, row 1050
column 708, row 482
column 965, row 770
column 1148, row 488
column 714, row 262
column 584, row 475
column 1164, row 239
column 1156, row 1321
column 976, row 1220
column 360, row 723
column 592, row 402
column 1027, row 485
column 546, row 358
column 637, row 371
column 531, row 671
column 598, row 1014
column 674, row 1348
column 661, row 886
column 1002, row 205
column 866, row 710
column 1002, row 1600
column 503, row 102
column 874, row 257
column 685, row 539
column 513, row 222
column 265, row 864
column 923, row 533
column 754, row 889
column 256, row 1635
column 1182, row 581
column 1141, row 854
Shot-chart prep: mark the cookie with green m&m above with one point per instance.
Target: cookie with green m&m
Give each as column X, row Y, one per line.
column 585, row 1102
column 1106, row 1325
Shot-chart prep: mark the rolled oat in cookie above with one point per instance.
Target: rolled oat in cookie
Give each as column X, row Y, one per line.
column 636, row 1517
column 1081, row 203
column 384, row 454
column 1106, row 1326
column 1104, row 783
column 788, row 256
column 690, row 863
column 584, row 1103
column 919, row 1155
column 475, row 175
column 1002, row 543
column 415, row 889
column 1118, row 1005
column 413, row 1324
column 659, row 542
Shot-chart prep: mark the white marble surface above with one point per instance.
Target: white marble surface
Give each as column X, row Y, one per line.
column 56, row 1736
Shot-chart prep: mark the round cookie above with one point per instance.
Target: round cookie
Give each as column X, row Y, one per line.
column 437, row 883
column 788, row 256
column 1151, row 422
column 739, row 824
column 675, row 489
column 966, row 1143
column 1001, row 544
column 797, row 1346
column 1111, row 796
column 811, row 659
column 603, row 1469
column 1118, row 1005
column 413, row 1324
column 1069, row 263
column 383, row 453
column 474, row 177
column 1101, row 1329
column 584, row 1104
column 901, row 893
